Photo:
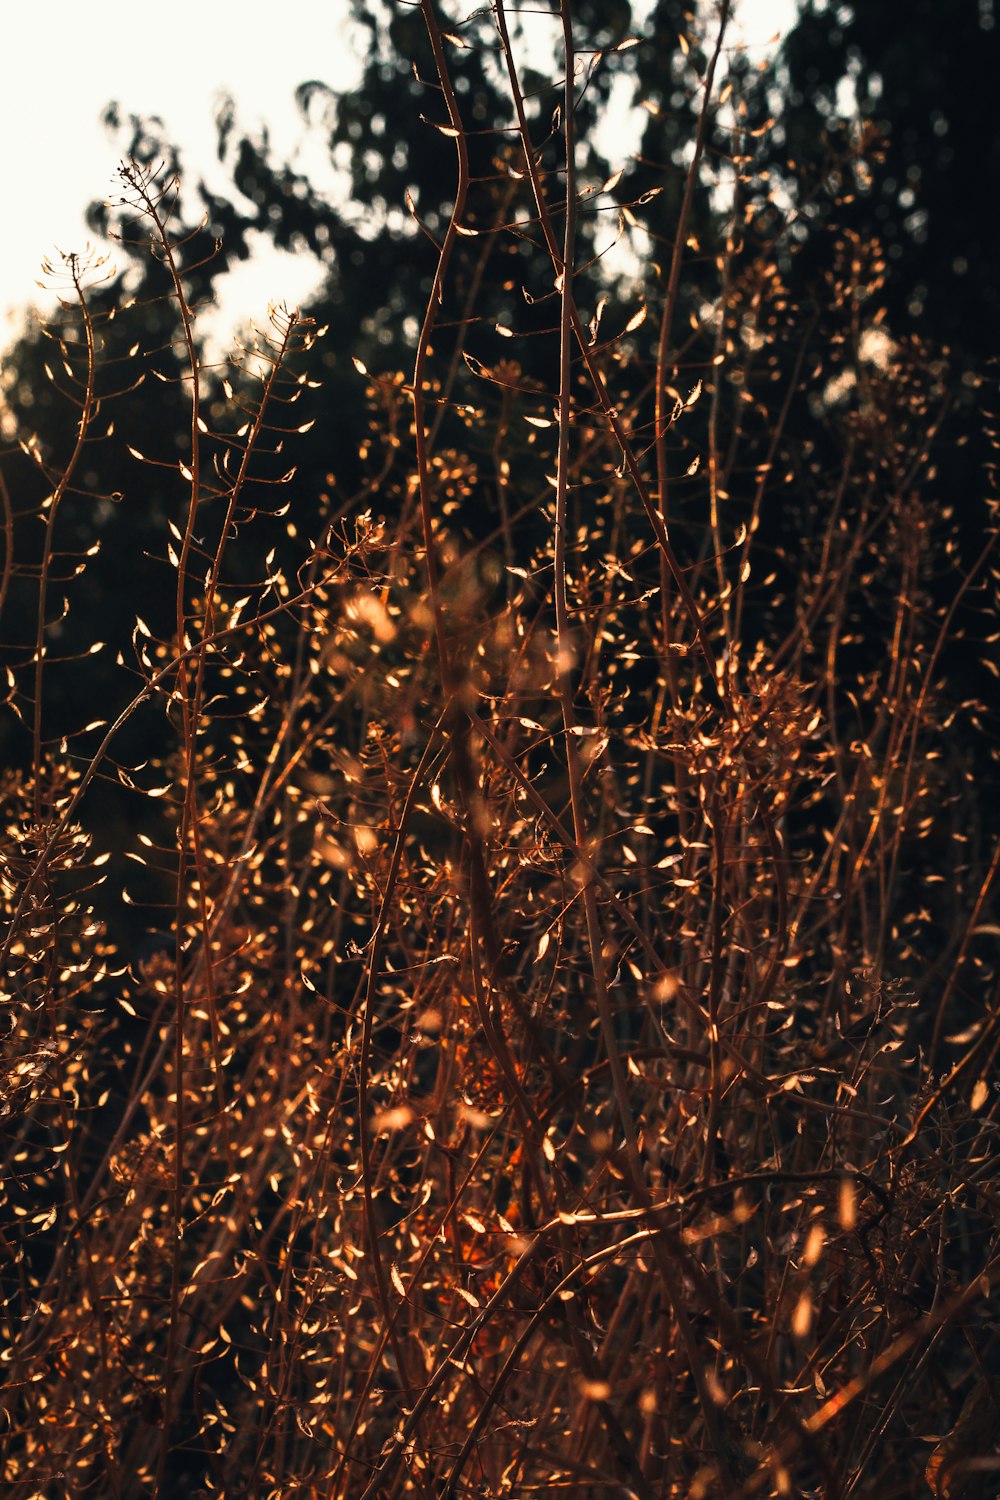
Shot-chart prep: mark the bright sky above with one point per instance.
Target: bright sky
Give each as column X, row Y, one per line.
column 64, row 65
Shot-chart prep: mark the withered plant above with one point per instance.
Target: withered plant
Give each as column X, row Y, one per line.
column 536, row 1032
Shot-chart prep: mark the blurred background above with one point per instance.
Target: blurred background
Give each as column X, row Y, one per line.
column 63, row 150
column 285, row 125
column 299, row 142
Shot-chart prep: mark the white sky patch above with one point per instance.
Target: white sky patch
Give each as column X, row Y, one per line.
column 64, row 67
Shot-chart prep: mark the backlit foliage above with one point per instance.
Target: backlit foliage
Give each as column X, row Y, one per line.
column 559, row 1055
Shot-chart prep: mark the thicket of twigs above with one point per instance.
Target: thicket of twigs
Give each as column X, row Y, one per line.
column 563, row 1058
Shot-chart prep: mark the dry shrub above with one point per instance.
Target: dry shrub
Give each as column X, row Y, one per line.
column 563, row 1054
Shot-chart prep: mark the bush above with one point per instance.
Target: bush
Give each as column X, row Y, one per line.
column 524, row 1022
